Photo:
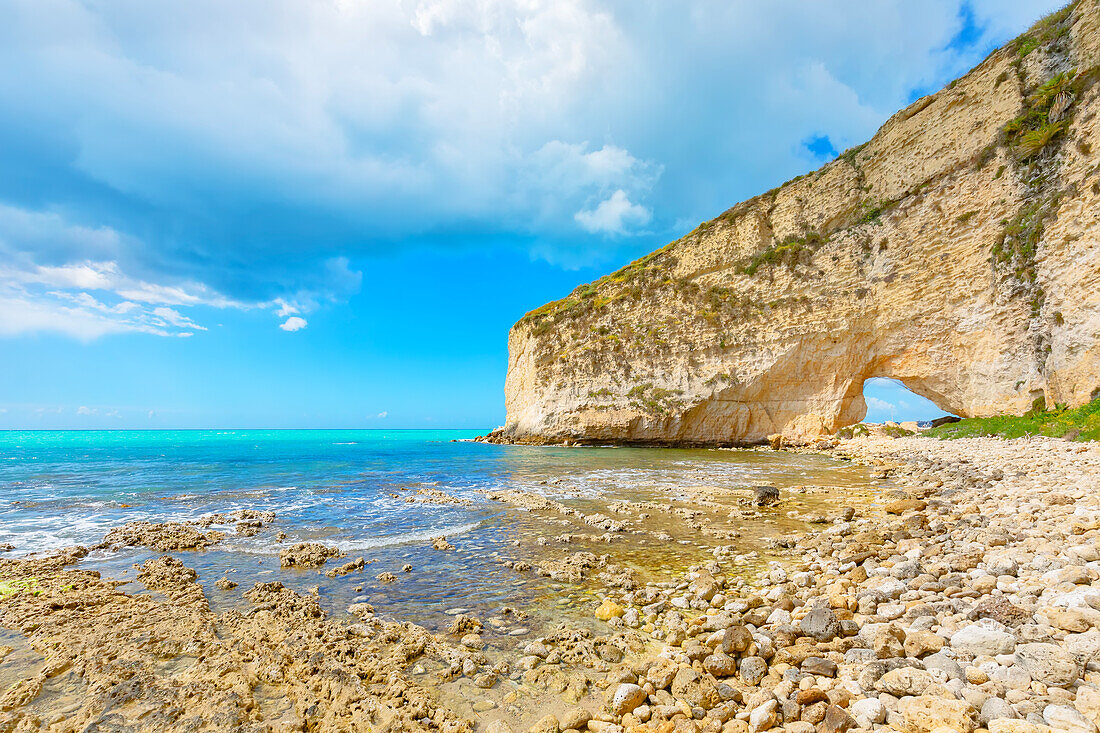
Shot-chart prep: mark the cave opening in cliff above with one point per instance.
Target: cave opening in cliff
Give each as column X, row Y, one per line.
column 890, row 400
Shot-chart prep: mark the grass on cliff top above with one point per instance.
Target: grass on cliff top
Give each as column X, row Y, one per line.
column 1080, row 423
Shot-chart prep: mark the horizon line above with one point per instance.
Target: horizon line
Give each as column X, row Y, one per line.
column 158, row 430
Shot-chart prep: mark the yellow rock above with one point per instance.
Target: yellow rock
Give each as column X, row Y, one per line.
column 926, row 713
column 609, row 610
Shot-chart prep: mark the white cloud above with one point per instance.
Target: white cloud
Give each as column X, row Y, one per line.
column 90, row 298
column 294, row 323
column 284, row 308
column 615, row 215
column 875, row 403
column 82, row 410
column 173, row 318
column 383, row 414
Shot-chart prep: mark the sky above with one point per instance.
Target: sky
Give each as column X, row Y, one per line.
column 329, row 213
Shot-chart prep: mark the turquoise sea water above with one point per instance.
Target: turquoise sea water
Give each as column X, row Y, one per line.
column 348, row 488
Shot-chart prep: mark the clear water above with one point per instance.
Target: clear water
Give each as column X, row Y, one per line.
column 348, row 488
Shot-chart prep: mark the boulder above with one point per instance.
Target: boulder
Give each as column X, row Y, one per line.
column 821, row 624
column 905, row 681
column 980, row 641
column 1063, row 717
column 627, row 697
column 1048, row 663
column 765, row 495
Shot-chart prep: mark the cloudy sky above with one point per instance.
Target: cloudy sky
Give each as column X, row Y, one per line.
column 328, row 213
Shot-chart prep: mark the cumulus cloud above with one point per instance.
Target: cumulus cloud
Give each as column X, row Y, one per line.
column 152, row 163
column 294, row 323
column 382, row 415
column 614, row 215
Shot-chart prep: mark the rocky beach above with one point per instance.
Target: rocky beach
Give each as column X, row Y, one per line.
column 962, row 595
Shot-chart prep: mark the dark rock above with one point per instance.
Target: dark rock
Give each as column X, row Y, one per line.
column 765, row 495
column 821, row 624
column 1000, row 609
column 819, row 667
column 836, row 721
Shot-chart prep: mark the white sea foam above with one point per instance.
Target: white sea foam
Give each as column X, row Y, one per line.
column 401, row 539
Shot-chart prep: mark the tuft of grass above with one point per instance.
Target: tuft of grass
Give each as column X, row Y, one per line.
column 1080, row 423
column 1044, row 96
column 1031, row 132
column 1025, row 45
column 1032, row 142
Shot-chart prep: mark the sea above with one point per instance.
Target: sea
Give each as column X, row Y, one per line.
column 357, row 490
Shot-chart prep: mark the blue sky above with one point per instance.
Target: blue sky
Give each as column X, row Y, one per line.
column 328, row 214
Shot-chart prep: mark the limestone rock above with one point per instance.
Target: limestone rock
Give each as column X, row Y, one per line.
column 1088, row 703
column 1007, row 725
column 752, row 670
column 1063, row 717
column 575, row 719
column 627, row 697
column 978, row 641
column 905, row 681
column 868, row 711
column 720, row 664
column 764, row 716
column 820, row 623
column 926, row 713
column 1048, row 663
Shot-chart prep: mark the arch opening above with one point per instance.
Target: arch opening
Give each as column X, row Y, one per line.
column 891, row 400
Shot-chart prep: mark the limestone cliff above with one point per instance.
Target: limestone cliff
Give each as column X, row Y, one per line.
column 957, row 251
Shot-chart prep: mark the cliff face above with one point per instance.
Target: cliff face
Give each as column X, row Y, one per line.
column 957, row 251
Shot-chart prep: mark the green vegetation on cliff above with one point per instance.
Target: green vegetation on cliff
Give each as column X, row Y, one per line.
column 1081, row 423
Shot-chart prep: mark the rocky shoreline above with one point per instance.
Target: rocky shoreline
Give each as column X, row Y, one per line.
column 965, row 598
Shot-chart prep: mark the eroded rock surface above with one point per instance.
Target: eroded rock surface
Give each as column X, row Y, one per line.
column 139, row 663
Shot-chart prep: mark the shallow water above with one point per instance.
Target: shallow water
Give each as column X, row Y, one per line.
column 348, row 488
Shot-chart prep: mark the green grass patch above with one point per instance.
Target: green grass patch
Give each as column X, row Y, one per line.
column 1080, row 423
column 791, row 252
